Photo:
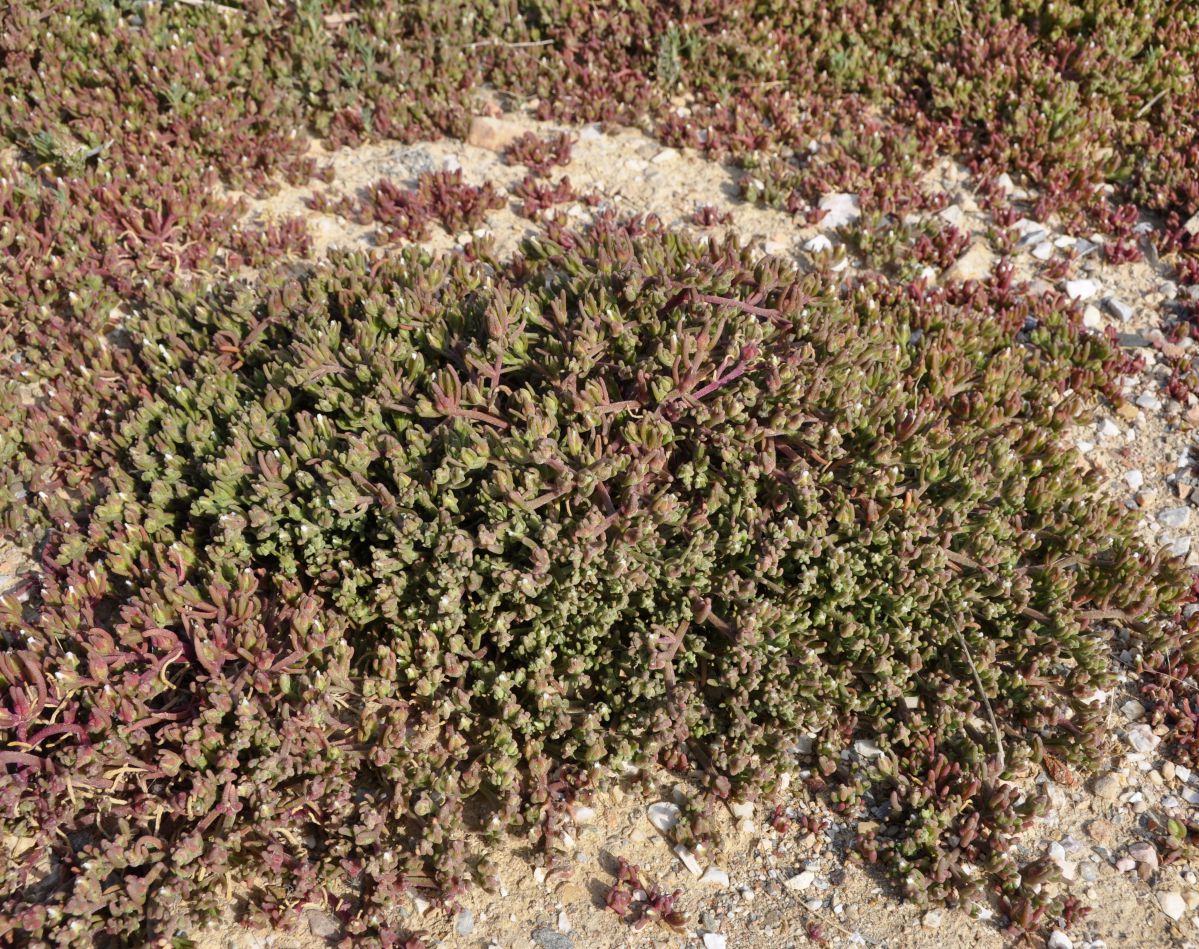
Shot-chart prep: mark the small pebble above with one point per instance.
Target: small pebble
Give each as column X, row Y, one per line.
column 1081, row 289
column 1172, row 904
column 867, row 749
column 842, row 209
column 801, row 881
column 715, row 876
column 322, row 925
column 1134, row 479
column 714, row 941
column 664, row 816
column 1043, row 251
column 1106, row 787
column 1119, row 309
column 1174, row 517
column 1133, row 710
column 1141, row 739
column 1059, row 940
column 464, row 922
column 931, row 919
column 687, row 859
column 1145, row 853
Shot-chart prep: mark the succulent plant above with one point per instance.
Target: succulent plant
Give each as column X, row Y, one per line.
column 409, row 533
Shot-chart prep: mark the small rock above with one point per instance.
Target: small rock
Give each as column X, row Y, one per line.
column 1081, row 289
column 975, row 264
column 322, row 925
column 715, row 876
column 1108, row 429
column 1191, row 898
column 715, row 941
column 867, row 748
column 952, row 215
column 1192, row 224
column 1133, row 710
column 1149, row 402
column 842, row 209
column 564, row 922
column 1059, row 940
column 492, row 134
column 1102, row 831
column 421, row 905
column 464, row 922
column 1126, row 864
column 818, row 244
column 667, row 154
column 1092, row 319
column 742, row 809
column 1141, row 739
column 1145, row 853
column 1119, row 309
column 1174, row 517
column 1106, row 787
column 1134, row 479
column 931, row 919
column 687, row 859
column 1172, row 904
column 1043, row 250
column 801, row 881
column 546, row 938
column 664, row 816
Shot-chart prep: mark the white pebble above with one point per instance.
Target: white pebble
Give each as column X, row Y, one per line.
column 842, row 208
column 1172, row 904
column 1174, row 517
column 801, row 881
column 664, row 816
column 687, row 859
column 1081, row 289
column 715, row 876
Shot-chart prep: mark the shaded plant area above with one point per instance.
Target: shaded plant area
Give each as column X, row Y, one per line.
column 407, row 551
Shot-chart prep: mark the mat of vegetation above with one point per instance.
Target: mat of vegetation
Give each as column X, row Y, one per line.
column 408, row 549
column 327, row 561
column 128, row 121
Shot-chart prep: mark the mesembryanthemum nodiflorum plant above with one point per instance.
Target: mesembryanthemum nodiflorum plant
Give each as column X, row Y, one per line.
column 411, row 534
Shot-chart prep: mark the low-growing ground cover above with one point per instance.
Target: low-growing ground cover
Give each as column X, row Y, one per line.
column 336, row 568
column 408, row 548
